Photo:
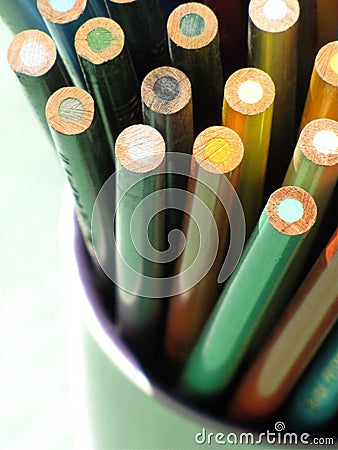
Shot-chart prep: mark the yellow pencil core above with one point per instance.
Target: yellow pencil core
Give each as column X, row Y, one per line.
column 217, row 150
column 334, row 63
column 250, row 92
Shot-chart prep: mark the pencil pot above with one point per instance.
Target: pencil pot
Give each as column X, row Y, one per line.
column 116, row 404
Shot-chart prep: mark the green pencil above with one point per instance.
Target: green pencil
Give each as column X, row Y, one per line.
column 139, row 154
column 83, row 151
column 194, row 49
column 33, row 57
column 313, row 403
column 284, row 224
column 109, row 74
column 144, row 28
column 167, row 106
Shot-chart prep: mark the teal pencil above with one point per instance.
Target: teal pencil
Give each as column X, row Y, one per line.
column 285, row 222
column 314, row 402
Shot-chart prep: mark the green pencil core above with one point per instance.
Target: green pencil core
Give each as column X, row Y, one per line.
column 192, row 25
column 166, row 88
column 71, row 110
column 99, row 39
column 290, row 210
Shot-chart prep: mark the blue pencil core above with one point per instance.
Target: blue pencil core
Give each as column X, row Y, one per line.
column 62, row 5
column 290, row 210
column 192, row 25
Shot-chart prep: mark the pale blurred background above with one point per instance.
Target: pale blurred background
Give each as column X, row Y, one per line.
column 35, row 408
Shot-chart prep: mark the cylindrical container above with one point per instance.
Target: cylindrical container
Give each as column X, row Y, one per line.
column 116, row 404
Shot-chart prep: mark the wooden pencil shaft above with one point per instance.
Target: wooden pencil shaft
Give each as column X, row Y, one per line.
column 293, row 342
column 21, row 15
column 314, row 166
column 314, row 401
column 321, row 100
column 272, row 47
column 109, row 74
column 194, row 48
column 82, row 149
column 167, row 106
column 144, row 28
column 62, row 24
column 33, row 58
column 218, row 152
column 138, row 316
column 247, row 109
column 289, row 215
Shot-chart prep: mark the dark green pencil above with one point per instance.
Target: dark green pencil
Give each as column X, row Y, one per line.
column 109, row 74
column 144, row 28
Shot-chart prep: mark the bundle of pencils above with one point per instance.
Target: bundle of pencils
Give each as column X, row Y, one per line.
column 167, row 117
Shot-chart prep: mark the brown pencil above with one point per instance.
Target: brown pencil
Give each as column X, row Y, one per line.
column 218, row 152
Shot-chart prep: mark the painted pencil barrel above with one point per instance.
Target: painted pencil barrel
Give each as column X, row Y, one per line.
column 247, row 109
column 21, row 15
column 82, row 148
column 284, row 224
column 139, row 154
column 63, row 18
column 314, row 165
column 314, row 401
column 293, row 342
column 33, row 57
column 167, row 106
column 321, row 100
column 144, row 28
column 217, row 154
column 194, row 48
column 272, row 47
column 109, row 74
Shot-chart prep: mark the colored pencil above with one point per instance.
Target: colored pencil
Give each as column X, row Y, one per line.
column 322, row 96
column 21, row 15
column 109, row 74
column 139, row 154
column 63, row 18
column 33, row 58
column 248, row 108
column 314, row 403
column 194, row 48
column 293, row 342
column 144, row 27
column 167, row 106
column 77, row 131
column 284, row 224
column 272, row 41
column 314, row 165
column 222, row 149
